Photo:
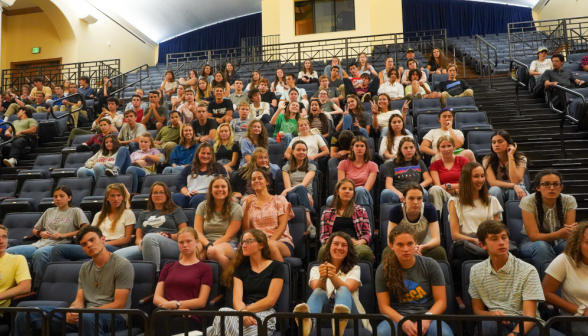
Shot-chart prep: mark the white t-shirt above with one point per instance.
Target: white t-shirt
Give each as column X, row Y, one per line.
column 313, row 142
column 395, row 90
column 471, row 217
column 541, row 66
column 384, row 118
column 127, row 218
column 572, row 278
column 384, row 144
column 435, row 134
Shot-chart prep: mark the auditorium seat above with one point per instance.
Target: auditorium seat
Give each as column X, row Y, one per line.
column 73, row 162
column 31, row 193
column 42, row 167
column 80, row 187
column 20, row 227
column 140, row 201
column 94, row 203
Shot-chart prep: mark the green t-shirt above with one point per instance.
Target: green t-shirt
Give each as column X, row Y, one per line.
column 290, row 126
column 23, row 125
column 169, row 134
column 216, row 227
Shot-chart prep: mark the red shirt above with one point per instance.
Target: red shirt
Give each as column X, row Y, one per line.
column 452, row 175
column 182, row 282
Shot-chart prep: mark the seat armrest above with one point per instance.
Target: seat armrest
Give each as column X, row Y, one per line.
column 217, row 299
column 5, row 198
column 460, row 303
column 28, row 238
column 146, row 299
column 23, row 297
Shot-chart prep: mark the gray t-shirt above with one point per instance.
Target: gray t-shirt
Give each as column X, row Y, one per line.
column 56, row 221
column 127, row 134
column 99, row 283
column 419, row 280
column 154, row 221
column 550, row 222
column 404, row 173
column 240, row 128
column 216, row 227
column 163, row 111
column 298, row 176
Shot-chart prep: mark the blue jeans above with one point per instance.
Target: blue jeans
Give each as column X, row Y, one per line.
column 130, row 253
column 348, row 125
column 40, row 256
column 137, row 173
column 388, row 196
column 384, row 329
column 72, row 252
column 123, row 159
column 133, row 147
column 287, row 139
column 299, row 196
column 155, row 247
column 173, row 170
column 104, row 326
column 540, row 251
column 318, row 302
column 491, row 329
column 503, row 195
column 362, row 197
column 188, row 202
column 96, row 172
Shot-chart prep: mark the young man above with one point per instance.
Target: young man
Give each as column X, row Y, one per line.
column 104, row 282
column 409, row 53
column 238, row 96
column 336, row 80
column 220, row 109
column 362, row 89
column 204, row 127
column 258, row 109
column 539, row 66
column 15, row 277
column 142, row 105
column 240, row 125
column 137, row 106
column 130, row 131
column 59, row 93
column 559, row 76
column 93, row 144
column 85, row 88
column 188, row 109
column 504, row 285
column 115, row 118
column 266, row 95
column 355, row 81
column 291, row 83
column 169, row 136
column 334, row 94
column 72, row 103
column 7, row 99
column 156, row 117
column 38, row 87
column 25, row 127
column 454, row 87
column 39, row 105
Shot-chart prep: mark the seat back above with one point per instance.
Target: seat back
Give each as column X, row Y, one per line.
column 80, row 139
column 190, row 214
column 215, row 290
column 8, row 188
column 276, row 153
column 80, row 187
column 143, row 285
column 60, row 282
column 105, row 181
column 333, row 176
column 426, row 122
column 461, row 103
column 446, row 268
column 514, row 221
column 384, row 221
column 437, row 79
column 470, row 118
column 77, row 159
column 576, row 57
column 396, row 104
column 20, row 224
column 47, row 162
column 297, row 226
column 479, row 141
column 170, row 179
column 36, row 189
column 445, row 228
column 466, row 268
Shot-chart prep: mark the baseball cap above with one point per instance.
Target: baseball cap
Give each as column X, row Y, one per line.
column 541, row 49
column 409, row 50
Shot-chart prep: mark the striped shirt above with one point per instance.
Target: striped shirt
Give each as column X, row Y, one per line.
column 505, row 290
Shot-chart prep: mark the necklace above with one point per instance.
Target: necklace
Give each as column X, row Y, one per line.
column 100, row 268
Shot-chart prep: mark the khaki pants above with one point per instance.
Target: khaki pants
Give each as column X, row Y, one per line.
column 364, row 252
column 13, row 109
column 169, row 147
column 75, row 115
column 445, row 95
column 438, row 196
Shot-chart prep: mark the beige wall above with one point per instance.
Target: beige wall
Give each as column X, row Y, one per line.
column 559, row 9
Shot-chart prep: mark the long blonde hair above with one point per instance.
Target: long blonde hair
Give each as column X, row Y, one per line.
column 247, row 170
column 202, row 94
column 106, row 206
column 217, row 139
column 194, row 234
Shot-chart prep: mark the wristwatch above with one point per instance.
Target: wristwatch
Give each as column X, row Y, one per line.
column 207, row 246
column 177, row 304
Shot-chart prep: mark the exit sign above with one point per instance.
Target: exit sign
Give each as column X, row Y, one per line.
column 37, row 50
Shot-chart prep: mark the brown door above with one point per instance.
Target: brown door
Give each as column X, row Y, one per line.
column 23, row 73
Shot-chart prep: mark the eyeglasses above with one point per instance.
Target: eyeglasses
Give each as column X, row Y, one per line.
column 249, row 241
column 549, row 185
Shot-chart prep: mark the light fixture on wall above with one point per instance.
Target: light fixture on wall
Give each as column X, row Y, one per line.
column 84, row 12
column 89, row 19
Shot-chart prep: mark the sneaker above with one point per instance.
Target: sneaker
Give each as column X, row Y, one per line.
column 10, row 162
column 340, row 309
column 312, row 230
column 418, row 96
column 306, row 322
column 111, row 172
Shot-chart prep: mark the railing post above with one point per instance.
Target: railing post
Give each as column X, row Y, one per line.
column 346, row 52
column 298, row 44
column 565, row 29
column 396, row 48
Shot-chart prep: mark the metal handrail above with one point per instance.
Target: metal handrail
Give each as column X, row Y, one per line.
column 96, row 312
column 463, row 63
column 519, row 83
column 565, row 114
column 567, row 320
column 204, row 314
column 13, row 133
column 141, row 79
column 69, row 113
column 486, row 57
column 28, row 311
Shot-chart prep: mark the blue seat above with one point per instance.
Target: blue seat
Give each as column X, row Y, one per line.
column 437, row 79
column 140, row 201
column 31, row 193
column 41, row 168
column 94, row 203
column 297, row 228
column 80, row 187
column 513, row 219
column 461, row 104
column 58, row 287
column 20, row 227
column 472, row 121
column 78, row 140
column 73, row 162
column 427, row 122
column 383, row 228
column 276, row 153
column 8, row 188
column 479, row 142
column 425, row 106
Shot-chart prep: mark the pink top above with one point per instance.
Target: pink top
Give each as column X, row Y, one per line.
column 266, row 218
column 359, row 176
column 452, row 175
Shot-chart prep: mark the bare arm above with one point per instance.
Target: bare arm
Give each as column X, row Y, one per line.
column 270, row 300
column 532, row 227
column 550, row 286
column 384, row 305
column 455, row 227
column 124, row 240
column 370, row 181
column 435, row 238
column 282, row 225
column 22, row 287
column 425, row 147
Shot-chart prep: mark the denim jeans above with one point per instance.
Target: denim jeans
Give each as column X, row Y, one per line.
column 503, row 195
column 188, row 202
column 130, row 253
column 72, row 252
column 388, row 196
column 96, row 172
column 286, row 139
column 137, row 173
column 123, row 160
column 104, row 325
column 318, row 302
column 348, row 125
column 491, row 329
column 384, row 329
column 40, row 256
column 540, row 251
column 299, row 196
column 133, row 147
column 362, row 197
column 156, row 247
column 173, row 170
column 333, row 163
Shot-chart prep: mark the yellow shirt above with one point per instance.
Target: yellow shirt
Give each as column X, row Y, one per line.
column 13, row 269
column 46, row 91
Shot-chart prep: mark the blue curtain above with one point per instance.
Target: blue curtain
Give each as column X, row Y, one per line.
column 461, row 18
column 222, row 35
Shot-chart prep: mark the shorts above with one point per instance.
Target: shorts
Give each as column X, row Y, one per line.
column 291, row 248
column 234, row 245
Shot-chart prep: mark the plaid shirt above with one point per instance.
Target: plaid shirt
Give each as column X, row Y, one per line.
column 360, row 222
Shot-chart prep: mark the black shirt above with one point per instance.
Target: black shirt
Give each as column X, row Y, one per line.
column 203, row 130
column 335, row 139
column 268, row 96
column 343, row 224
column 433, row 64
column 455, row 87
column 220, row 110
column 222, row 153
column 256, row 285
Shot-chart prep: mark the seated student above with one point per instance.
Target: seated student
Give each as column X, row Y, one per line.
column 204, row 92
column 95, row 167
column 332, row 110
column 93, row 144
column 226, row 149
column 26, row 94
column 168, row 137
column 139, row 104
column 66, row 85
column 338, row 279
column 130, row 132
column 259, row 109
column 156, row 230
column 73, row 103
column 142, row 162
column 333, row 93
column 359, row 169
column 183, row 153
column 104, row 282
column 454, row 87
column 37, row 106
column 206, row 73
column 204, row 127
column 39, row 87
column 231, row 75
column 183, row 284
column 156, row 116
column 292, row 97
column 539, row 66
column 219, row 80
column 392, row 87
column 429, row 145
column 286, row 122
column 56, row 106
column 169, row 85
column 115, row 220
column 584, row 63
column 319, row 120
column 254, row 82
column 238, row 96
column 383, row 116
column 472, row 206
column 188, row 109
column 560, row 76
column 267, row 96
column 110, row 113
column 179, row 99
column 241, row 181
column 256, row 281
column 504, row 285
column 362, row 91
column 505, row 169
column 391, row 141
column 567, row 272
column 85, row 89
column 269, row 214
column 220, row 109
column 316, row 146
column 307, row 75
column 547, row 227
column 412, row 64
column 406, row 168
column 239, row 125
column 389, row 64
column 446, row 173
column 335, row 79
column 364, row 67
column 291, row 84
column 402, row 273
column 26, row 128
column 8, row 98
column 422, row 89
column 438, row 62
column 354, row 118
column 344, row 215
column 279, row 83
column 195, row 178
column 103, row 93
column 218, row 221
column 335, row 63
column 255, row 137
column 340, row 147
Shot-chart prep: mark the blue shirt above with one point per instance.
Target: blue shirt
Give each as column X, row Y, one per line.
column 182, row 155
column 87, row 92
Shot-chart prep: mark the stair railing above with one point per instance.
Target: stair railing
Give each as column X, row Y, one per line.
column 13, row 133
column 462, row 61
column 480, row 42
column 565, row 114
column 517, row 80
column 124, row 76
column 68, row 114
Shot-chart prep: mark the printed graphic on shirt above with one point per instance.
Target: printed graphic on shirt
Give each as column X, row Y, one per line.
column 449, row 86
column 408, row 173
column 416, row 294
column 154, row 221
column 219, row 111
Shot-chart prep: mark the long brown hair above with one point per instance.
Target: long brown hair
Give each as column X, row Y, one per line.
column 227, row 276
column 367, row 156
column 400, row 157
column 539, row 199
column 196, row 165
column 202, row 94
column 210, row 203
column 336, row 202
column 183, row 139
column 287, row 112
column 169, row 205
column 350, row 260
column 115, row 145
column 321, row 116
column 574, row 246
column 443, row 62
column 106, row 205
column 391, row 136
column 466, row 187
column 173, row 79
column 394, row 274
column 359, row 114
column 310, row 69
column 294, row 163
column 262, row 138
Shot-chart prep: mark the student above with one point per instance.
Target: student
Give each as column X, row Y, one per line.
column 293, row 96
column 279, row 83
column 130, row 131
column 218, row 221
column 391, row 140
column 254, row 82
column 362, row 91
column 73, row 103
column 541, row 64
column 192, row 82
column 255, row 137
column 431, row 139
column 204, row 92
column 195, row 178
column 231, row 75
column 454, row 87
column 286, row 121
column 389, row 64
column 103, row 94
column 335, row 63
column 412, row 64
column 183, row 284
column 16, row 278
column 206, row 74
column 359, row 169
column 95, row 167
column 242, row 180
column 341, row 146
column 259, row 109
column 333, row 92
column 307, row 75
column 220, row 109
column 354, row 118
column 188, row 109
column 85, row 89
column 364, row 66
column 219, row 80
column 105, row 282
column 66, row 85
column 392, row 87
column 39, row 87
column 142, row 161
column 168, row 137
column 332, row 110
column 438, row 62
column 446, row 173
column 504, row 285
column 318, row 120
column 422, row 89
column 505, row 169
column 256, row 281
column 204, row 127
column 116, row 119
column 291, row 84
column 405, row 169
column 238, row 96
column 93, row 144
column 169, row 85
column 157, row 228
column 183, row 153
column 26, row 128
column 267, row 96
column 156, row 117
column 58, row 225
column 38, row 105
column 270, row 214
column 239, row 125
column 401, row 273
column 115, row 220
column 138, row 106
column 179, row 99
column 547, row 227
column 584, row 63
column 338, row 279
column 560, row 76
column 226, row 149
column 316, row 146
column 383, row 116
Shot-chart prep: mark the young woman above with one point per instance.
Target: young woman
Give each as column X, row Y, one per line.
column 219, row 80
column 115, row 220
column 259, row 160
column 184, row 284
column 364, row 66
column 183, row 153
column 422, row 89
column 338, row 278
column 286, row 121
column 269, row 214
column 438, row 62
column 335, row 62
column 26, row 93
column 157, row 228
column 568, row 272
column 65, row 87
column 316, row 145
column 96, row 166
column 547, row 227
column 279, row 83
column 143, row 161
column 255, row 78
column 256, row 281
column 57, row 226
column 359, row 169
column 169, row 85
column 389, row 64
column 343, row 215
column 391, row 141
column 353, row 117
column 405, row 169
column 206, row 74
column 318, row 119
column 225, row 148
column 445, row 173
column 192, row 82
column 255, row 137
column 412, row 64
column 422, row 217
column 382, row 115
column 332, row 110
column 218, row 221
column 429, row 143
column 505, row 169
column 195, row 178
column 403, row 272
column 203, row 92
column 298, row 174
column 307, row 75
column 230, row 74
column 179, row 99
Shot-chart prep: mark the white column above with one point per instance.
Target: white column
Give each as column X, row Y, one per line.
column 3, row 4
